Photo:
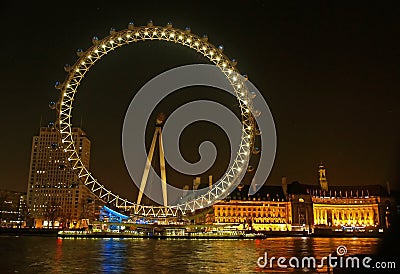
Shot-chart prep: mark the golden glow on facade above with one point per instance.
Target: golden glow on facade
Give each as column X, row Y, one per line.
column 262, row 215
column 323, row 212
column 339, row 212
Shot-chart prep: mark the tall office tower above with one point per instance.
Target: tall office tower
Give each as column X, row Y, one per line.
column 55, row 195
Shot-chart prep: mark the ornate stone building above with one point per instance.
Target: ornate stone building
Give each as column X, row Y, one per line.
column 302, row 207
column 267, row 210
column 355, row 207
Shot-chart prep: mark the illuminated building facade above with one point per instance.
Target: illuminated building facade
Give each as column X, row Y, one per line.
column 301, row 207
column 350, row 207
column 323, row 181
column 267, row 210
column 12, row 208
column 55, row 195
column 346, row 212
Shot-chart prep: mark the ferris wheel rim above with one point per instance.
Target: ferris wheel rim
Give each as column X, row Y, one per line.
column 133, row 34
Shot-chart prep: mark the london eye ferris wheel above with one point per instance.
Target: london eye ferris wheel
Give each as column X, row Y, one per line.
column 150, row 32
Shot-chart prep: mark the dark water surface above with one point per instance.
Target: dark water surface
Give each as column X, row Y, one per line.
column 51, row 255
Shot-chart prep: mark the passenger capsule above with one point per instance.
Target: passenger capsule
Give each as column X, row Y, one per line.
column 67, row 67
column 258, row 132
column 253, row 95
column 256, row 150
column 52, row 105
column 169, row 25
column 234, row 62
column 205, row 37
column 221, row 48
column 131, row 25
column 250, row 169
column 187, row 29
column 150, row 23
column 57, row 85
column 51, row 124
column 95, row 40
column 112, row 31
column 245, row 77
column 256, row 113
column 80, row 52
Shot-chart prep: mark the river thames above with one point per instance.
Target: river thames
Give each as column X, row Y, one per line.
column 33, row 254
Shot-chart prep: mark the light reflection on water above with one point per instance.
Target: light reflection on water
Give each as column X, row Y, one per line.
column 52, row 255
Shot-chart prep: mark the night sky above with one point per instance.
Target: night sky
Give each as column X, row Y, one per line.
column 329, row 72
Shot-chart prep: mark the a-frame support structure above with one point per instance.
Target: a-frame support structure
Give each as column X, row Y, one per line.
column 157, row 135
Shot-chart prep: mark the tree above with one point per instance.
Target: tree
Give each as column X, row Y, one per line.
column 51, row 210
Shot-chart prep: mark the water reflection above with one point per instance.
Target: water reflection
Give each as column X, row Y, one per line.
column 51, row 255
column 113, row 255
column 58, row 255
